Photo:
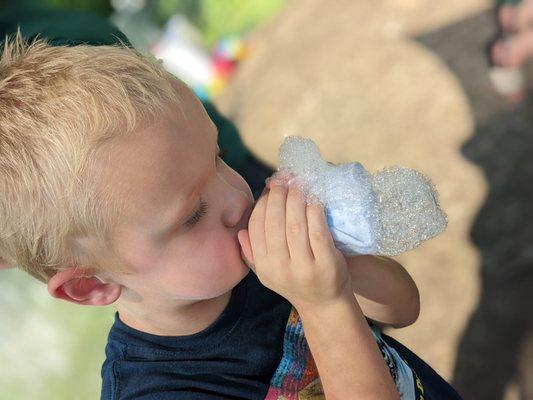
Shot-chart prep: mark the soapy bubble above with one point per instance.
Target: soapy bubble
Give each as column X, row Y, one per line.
column 409, row 209
column 386, row 213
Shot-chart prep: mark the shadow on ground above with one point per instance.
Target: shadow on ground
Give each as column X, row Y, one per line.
column 502, row 145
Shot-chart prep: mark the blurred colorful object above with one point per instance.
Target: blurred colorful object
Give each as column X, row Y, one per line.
column 181, row 48
column 228, row 52
column 199, row 41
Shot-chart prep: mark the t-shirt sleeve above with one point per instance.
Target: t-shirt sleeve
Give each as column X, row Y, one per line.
column 109, row 382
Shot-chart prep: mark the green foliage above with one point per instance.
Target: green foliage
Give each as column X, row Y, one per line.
column 214, row 18
column 163, row 9
column 51, row 349
column 217, row 18
column 220, row 18
column 102, row 7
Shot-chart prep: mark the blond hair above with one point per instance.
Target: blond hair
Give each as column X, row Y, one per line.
column 58, row 105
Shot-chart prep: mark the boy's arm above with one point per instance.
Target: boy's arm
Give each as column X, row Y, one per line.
column 344, row 350
column 289, row 247
column 384, row 290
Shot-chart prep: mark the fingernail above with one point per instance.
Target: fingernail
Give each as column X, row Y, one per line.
column 281, row 177
column 272, row 181
column 277, row 182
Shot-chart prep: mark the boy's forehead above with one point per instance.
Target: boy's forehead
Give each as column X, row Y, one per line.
column 156, row 169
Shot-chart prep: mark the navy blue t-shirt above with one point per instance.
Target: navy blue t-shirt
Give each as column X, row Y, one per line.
column 234, row 358
column 256, row 349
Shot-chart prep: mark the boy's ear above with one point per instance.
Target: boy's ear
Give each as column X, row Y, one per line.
column 79, row 286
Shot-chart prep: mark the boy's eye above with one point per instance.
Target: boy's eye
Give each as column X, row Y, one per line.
column 197, row 215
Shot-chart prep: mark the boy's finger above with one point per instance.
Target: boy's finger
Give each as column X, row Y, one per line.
column 280, row 178
column 275, row 236
column 297, row 234
column 256, row 229
column 319, row 235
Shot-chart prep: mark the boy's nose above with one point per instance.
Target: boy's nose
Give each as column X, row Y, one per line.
column 237, row 210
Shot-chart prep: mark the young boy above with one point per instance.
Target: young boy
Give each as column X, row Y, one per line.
column 113, row 193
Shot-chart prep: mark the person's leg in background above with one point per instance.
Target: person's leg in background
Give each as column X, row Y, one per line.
column 512, row 48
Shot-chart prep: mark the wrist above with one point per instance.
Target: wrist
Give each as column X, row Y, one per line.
column 344, row 301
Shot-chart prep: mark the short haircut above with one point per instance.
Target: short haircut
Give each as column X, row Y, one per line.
column 58, row 105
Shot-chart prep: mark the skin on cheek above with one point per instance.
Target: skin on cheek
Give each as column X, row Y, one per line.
column 222, row 263
column 212, row 256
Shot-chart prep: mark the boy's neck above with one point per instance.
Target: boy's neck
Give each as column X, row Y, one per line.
column 172, row 320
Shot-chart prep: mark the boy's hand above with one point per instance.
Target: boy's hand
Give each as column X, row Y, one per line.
column 289, row 246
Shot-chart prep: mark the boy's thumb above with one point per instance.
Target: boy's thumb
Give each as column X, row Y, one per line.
column 246, row 248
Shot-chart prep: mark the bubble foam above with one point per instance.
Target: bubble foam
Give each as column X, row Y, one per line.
column 386, row 213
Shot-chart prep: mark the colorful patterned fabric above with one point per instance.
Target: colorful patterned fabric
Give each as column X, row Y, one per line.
column 296, row 377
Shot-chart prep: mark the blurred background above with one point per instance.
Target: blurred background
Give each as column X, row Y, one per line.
column 382, row 82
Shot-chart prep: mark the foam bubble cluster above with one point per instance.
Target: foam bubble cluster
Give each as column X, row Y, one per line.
column 386, row 213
